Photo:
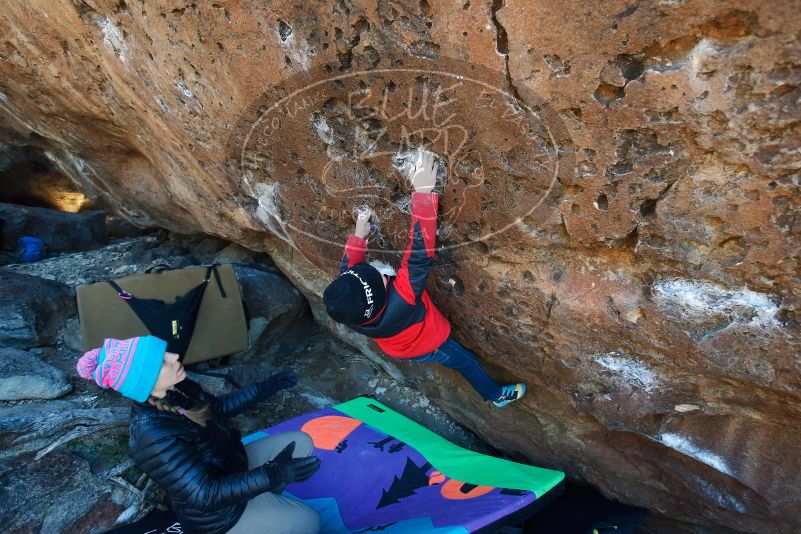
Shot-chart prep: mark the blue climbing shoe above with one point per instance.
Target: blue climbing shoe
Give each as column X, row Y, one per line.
column 510, row 394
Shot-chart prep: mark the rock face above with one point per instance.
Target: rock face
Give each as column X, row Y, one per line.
column 62, row 494
column 32, row 310
column 278, row 313
column 24, row 376
column 28, row 178
column 619, row 222
column 61, row 232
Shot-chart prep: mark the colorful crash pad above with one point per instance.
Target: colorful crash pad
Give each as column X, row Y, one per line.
column 382, row 472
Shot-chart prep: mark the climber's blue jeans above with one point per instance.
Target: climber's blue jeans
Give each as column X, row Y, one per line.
column 452, row 354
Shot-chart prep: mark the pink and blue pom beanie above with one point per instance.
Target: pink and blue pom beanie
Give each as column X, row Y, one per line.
column 129, row 366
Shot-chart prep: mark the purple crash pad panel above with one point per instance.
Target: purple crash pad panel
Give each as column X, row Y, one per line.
column 369, row 480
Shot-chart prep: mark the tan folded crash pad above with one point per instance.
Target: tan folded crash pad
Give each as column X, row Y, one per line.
column 221, row 327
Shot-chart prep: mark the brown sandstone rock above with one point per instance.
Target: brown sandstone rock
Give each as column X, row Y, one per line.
column 620, row 220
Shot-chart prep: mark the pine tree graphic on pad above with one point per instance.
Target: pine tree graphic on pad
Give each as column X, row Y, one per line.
column 413, row 478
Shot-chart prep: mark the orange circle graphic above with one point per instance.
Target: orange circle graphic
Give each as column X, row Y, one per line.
column 329, row 430
column 452, row 490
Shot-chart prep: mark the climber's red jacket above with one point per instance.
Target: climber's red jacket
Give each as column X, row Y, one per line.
column 410, row 325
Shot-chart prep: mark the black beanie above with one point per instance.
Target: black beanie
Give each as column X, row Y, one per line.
column 355, row 296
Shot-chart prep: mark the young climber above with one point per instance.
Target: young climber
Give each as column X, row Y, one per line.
column 396, row 310
column 180, row 437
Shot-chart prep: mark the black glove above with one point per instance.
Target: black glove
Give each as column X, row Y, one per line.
column 277, row 382
column 283, row 469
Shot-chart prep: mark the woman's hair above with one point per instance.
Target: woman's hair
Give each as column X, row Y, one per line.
column 186, row 398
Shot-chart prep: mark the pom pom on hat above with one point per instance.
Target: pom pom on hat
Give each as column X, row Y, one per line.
column 88, row 363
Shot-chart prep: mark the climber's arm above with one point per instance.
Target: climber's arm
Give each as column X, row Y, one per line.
column 356, row 246
column 419, row 256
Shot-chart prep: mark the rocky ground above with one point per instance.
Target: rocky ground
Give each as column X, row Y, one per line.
column 620, row 213
column 64, row 465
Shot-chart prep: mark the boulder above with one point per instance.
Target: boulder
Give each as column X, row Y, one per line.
column 208, row 247
column 120, row 228
column 58, row 493
column 24, row 376
column 71, row 335
column 57, row 461
column 618, row 219
column 42, row 426
column 29, row 178
column 234, row 253
column 32, row 310
column 278, row 312
column 61, row 231
column 128, row 256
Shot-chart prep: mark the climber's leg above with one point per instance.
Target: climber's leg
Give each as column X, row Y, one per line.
column 451, row 354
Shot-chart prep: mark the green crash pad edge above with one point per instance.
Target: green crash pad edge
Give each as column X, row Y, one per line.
column 450, row 459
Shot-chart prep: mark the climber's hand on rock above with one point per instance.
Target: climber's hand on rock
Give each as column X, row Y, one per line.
column 363, row 223
column 424, row 173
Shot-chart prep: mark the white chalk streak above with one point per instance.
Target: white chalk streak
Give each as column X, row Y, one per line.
column 703, row 299
column 112, row 37
column 632, row 371
column 683, row 445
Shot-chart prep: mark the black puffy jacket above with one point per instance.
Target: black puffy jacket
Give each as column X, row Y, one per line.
column 204, row 470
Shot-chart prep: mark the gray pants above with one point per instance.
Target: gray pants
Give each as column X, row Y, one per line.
column 269, row 513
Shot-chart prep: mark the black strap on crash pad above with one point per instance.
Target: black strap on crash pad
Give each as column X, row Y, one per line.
column 175, row 322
